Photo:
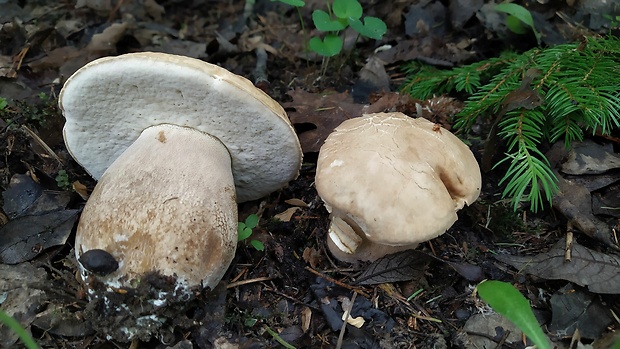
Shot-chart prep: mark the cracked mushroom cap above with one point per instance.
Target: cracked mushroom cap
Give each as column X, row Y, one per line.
column 110, row 101
column 391, row 182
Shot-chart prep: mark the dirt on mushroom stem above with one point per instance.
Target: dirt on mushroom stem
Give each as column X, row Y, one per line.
column 152, row 309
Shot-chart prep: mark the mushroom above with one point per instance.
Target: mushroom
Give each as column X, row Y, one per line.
column 175, row 143
column 391, row 182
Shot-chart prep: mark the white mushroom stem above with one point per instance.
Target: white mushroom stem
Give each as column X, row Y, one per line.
column 166, row 205
column 343, row 235
column 347, row 241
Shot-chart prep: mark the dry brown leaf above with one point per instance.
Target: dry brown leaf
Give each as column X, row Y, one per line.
column 316, row 115
column 106, row 41
column 54, row 58
column 306, row 317
column 296, row 202
column 286, row 215
column 312, row 257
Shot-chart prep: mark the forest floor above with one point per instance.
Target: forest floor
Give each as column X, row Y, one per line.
column 294, row 293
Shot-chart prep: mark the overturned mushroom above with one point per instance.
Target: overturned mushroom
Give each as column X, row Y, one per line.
column 175, row 142
column 391, row 182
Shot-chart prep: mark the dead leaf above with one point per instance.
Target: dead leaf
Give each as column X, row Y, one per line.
column 286, row 215
column 296, row 202
column 25, row 237
column 312, row 257
column 58, row 320
column 306, row 318
column 574, row 201
column 401, row 266
column 574, row 308
column 588, row 157
column 316, row 115
column 407, row 265
column 19, row 300
column 598, row 271
column 55, row 58
column 105, row 42
column 392, row 102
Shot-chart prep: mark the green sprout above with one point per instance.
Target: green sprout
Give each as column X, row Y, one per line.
column 340, row 15
column 244, row 230
column 3, row 103
column 62, row 180
column 509, row 302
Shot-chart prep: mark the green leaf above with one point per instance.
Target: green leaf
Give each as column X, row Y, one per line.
column 508, row 301
column 347, row 8
column 252, row 221
column 372, row 27
column 516, row 25
column 259, row 246
column 295, row 3
column 323, row 22
column 243, row 232
column 521, row 13
column 328, row 47
column 3, row 103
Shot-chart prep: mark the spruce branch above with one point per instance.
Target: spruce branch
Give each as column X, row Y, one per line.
column 579, row 84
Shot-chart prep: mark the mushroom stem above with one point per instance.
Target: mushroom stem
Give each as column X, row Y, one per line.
column 161, row 206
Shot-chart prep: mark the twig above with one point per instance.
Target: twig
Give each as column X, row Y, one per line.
column 39, row 141
column 339, row 283
column 347, row 312
column 249, row 281
column 569, row 242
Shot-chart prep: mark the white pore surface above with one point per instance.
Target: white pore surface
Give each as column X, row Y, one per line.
column 108, row 103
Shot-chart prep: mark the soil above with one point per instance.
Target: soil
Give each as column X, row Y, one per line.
column 294, row 292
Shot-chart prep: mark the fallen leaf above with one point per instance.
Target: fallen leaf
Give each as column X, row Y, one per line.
column 598, row 271
column 25, row 237
column 407, row 265
column 58, row 320
column 401, row 266
column 296, row 202
column 105, row 42
column 312, row 257
column 588, row 157
column 316, row 115
column 19, row 299
column 573, row 308
column 574, row 201
column 286, row 215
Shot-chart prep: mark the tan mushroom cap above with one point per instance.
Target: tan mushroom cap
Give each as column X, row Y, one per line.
column 391, row 182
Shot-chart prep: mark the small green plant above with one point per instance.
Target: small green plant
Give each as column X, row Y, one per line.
column 578, row 89
column 509, row 302
column 244, row 230
column 14, row 326
column 62, row 180
column 519, row 19
column 3, row 103
column 339, row 15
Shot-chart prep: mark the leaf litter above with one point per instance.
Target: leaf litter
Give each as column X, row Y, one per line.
column 37, row 55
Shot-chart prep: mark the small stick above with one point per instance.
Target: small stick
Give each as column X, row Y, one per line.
column 341, row 284
column 347, row 312
column 569, row 242
column 249, row 281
